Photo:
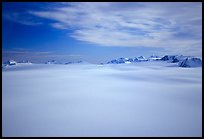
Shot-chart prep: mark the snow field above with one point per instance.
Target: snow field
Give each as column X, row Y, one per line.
column 110, row 100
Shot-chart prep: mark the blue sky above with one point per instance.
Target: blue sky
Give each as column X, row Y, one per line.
column 98, row 32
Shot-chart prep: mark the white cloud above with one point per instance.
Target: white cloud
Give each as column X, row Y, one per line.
column 22, row 19
column 37, row 56
column 58, row 25
column 172, row 26
column 25, row 51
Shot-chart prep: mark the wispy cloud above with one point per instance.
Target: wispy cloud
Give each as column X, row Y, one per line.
column 36, row 56
column 24, row 51
column 175, row 27
column 22, row 18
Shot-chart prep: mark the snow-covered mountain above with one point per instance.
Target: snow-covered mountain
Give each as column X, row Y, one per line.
column 51, row 62
column 127, row 60
column 142, row 58
column 190, row 62
column 183, row 61
column 170, row 58
column 120, row 61
column 132, row 60
column 154, row 58
column 25, row 61
column 11, row 62
column 174, row 58
column 76, row 62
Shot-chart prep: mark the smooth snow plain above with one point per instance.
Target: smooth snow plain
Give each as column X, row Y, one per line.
column 140, row 99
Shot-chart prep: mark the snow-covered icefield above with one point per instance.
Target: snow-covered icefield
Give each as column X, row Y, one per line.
column 141, row 99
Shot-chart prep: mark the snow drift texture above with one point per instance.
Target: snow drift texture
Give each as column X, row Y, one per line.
column 140, row 99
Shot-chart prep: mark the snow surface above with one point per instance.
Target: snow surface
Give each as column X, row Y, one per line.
column 140, row 99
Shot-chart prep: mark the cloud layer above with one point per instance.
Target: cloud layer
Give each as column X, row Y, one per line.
column 175, row 27
column 37, row 56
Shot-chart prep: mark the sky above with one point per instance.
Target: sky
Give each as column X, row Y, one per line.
column 99, row 31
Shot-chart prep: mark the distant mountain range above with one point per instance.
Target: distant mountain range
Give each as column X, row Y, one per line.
column 183, row 61
column 66, row 63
